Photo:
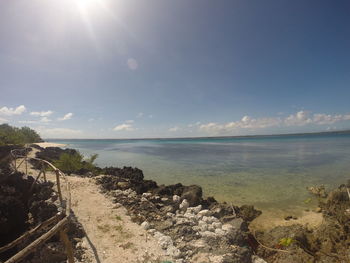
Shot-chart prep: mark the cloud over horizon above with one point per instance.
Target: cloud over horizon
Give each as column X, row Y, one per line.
column 300, row 118
column 5, row 111
column 124, row 127
column 67, row 116
column 41, row 113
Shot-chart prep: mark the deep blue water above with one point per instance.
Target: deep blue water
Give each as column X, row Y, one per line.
column 268, row 172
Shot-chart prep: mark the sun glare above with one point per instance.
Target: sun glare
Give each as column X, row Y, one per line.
column 88, row 4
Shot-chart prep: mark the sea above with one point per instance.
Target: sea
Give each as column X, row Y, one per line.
column 269, row 172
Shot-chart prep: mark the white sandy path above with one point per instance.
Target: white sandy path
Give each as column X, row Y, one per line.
column 115, row 236
column 49, row 144
column 111, row 235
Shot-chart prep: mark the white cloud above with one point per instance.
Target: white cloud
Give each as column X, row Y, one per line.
column 58, row 132
column 174, row 129
column 45, row 119
column 150, row 116
column 132, row 64
column 212, row 127
column 28, row 122
column 140, row 115
column 41, row 113
column 245, row 123
column 124, row 127
column 301, row 118
column 12, row 111
column 68, row 116
column 129, row 121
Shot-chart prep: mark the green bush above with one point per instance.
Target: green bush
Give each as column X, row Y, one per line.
column 20, row 136
column 69, row 163
column 73, row 163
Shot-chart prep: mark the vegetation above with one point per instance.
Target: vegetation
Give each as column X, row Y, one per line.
column 73, row 163
column 19, row 136
column 286, row 241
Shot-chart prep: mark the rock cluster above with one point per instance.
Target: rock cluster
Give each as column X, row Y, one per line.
column 328, row 242
column 22, row 210
column 185, row 225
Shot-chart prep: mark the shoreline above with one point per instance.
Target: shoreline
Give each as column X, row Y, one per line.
column 190, row 227
column 270, row 217
column 49, row 144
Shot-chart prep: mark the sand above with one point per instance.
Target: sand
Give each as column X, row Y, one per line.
column 49, row 144
column 111, row 236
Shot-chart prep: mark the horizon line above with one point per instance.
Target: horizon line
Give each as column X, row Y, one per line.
column 210, row 137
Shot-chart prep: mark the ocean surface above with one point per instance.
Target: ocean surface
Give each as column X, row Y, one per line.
column 267, row 172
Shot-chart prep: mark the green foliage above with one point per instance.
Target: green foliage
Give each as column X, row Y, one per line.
column 307, row 201
column 72, row 163
column 20, row 136
column 69, row 163
column 89, row 163
column 286, row 241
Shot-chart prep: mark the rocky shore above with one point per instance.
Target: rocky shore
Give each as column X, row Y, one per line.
column 21, row 209
column 188, row 227
column 191, row 228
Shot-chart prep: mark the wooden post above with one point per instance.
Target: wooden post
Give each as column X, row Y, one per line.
column 67, row 244
column 26, row 160
column 59, row 186
column 44, row 175
column 36, row 179
column 36, row 243
column 48, row 222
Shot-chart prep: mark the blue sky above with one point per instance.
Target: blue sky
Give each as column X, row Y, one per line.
column 156, row 68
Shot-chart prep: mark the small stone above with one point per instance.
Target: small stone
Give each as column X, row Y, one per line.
column 194, row 210
column 288, row 218
column 170, row 214
column 217, row 225
column 145, row 225
column 227, row 227
column 117, row 205
column 123, row 185
column 220, row 232
column 164, row 199
column 318, row 210
column 165, row 242
column 204, row 212
column 176, row 198
column 184, row 205
column 256, row 259
column 151, row 231
column 146, row 195
column 200, row 243
column 207, row 234
column 211, row 228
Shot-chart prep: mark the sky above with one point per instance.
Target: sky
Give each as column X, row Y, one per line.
column 185, row 68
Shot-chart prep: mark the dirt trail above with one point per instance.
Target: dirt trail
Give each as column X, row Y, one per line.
column 111, row 236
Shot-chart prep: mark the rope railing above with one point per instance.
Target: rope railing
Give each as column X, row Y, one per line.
column 56, row 224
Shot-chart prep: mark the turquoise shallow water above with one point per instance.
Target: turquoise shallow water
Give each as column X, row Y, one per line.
column 268, row 172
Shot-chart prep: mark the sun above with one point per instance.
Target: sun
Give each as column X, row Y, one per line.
column 88, row 5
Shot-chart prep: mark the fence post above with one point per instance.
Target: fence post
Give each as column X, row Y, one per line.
column 67, row 244
column 59, row 186
column 26, row 160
